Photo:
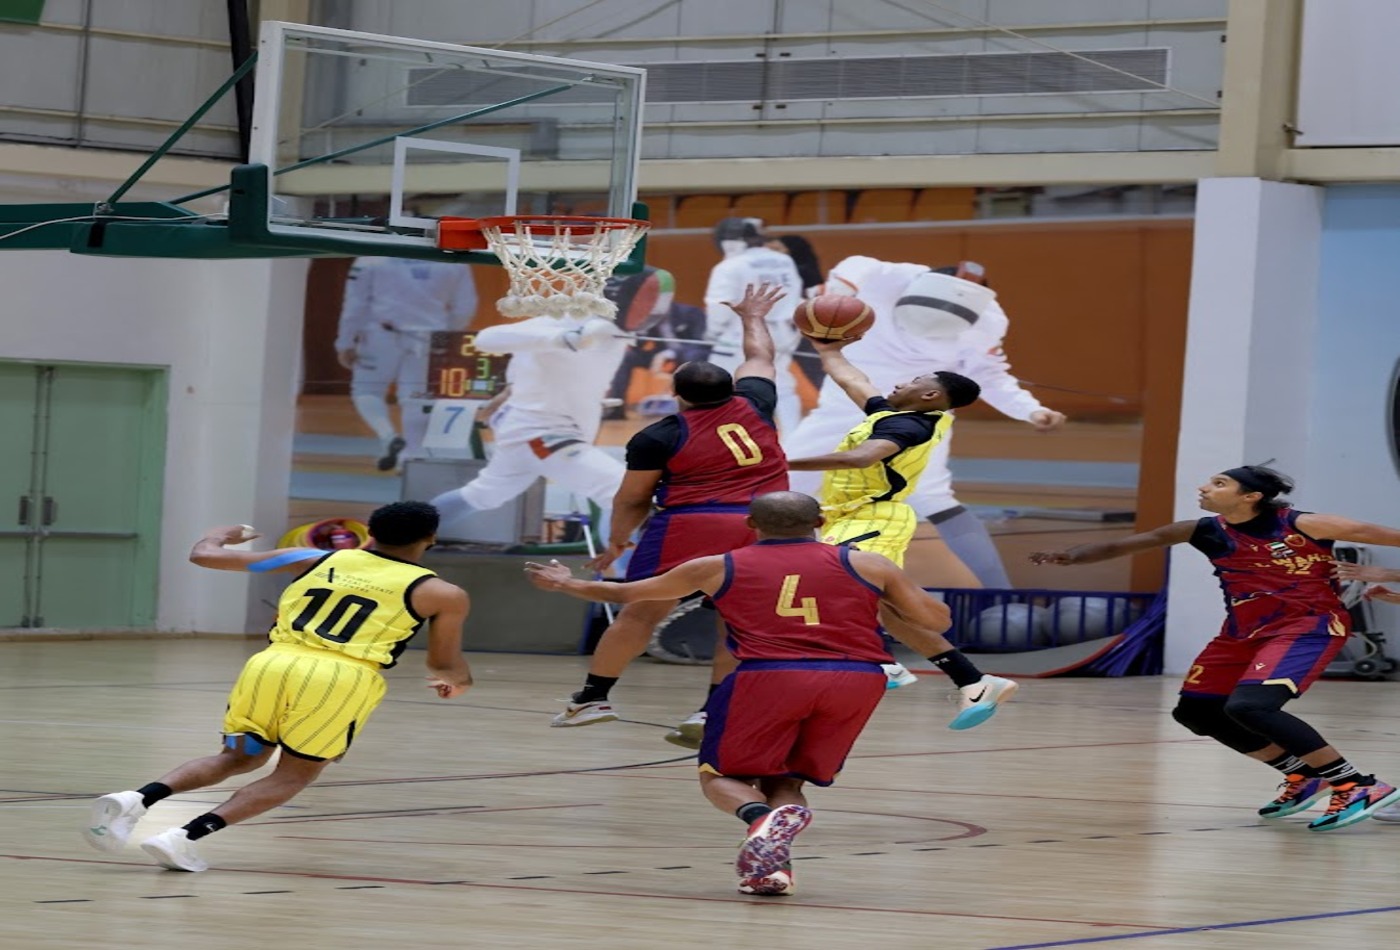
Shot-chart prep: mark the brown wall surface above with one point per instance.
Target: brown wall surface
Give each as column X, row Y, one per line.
column 1088, row 301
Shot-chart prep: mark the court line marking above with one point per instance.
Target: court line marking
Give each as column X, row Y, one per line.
column 1201, row 929
column 419, row 813
column 749, row 901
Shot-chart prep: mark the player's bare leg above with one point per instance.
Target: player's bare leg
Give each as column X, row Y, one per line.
column 625, row 639
column 979, row 693
column 175, row 849
column 763, row 866
column 113, row 817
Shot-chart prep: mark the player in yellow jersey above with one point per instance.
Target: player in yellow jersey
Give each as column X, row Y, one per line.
column 868, row 476
column 348, row 615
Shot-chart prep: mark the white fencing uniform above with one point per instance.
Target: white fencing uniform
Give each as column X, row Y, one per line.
column 723, row 328
column 559, row 373
column 392, row 307
column 890, row 356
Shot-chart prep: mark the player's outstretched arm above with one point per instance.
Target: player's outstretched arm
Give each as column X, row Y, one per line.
column 758, row 347
column 862, row 456
column 913, row 604
column 1337, row 528
column 702, row 574
column 446, row 607
column 844, row 373
column 211, row 551
column 1168, row 534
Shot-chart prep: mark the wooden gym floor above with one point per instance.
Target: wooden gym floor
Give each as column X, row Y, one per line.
column 1081, row 814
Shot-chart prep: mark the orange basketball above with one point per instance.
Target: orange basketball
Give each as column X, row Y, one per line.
column 833, row 317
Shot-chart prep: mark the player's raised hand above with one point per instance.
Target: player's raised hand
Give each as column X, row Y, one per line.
column 831, row 346
column 757, row 301
column 551, row 576
column 232, row 534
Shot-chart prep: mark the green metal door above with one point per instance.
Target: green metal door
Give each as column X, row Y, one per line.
column 88, row 534
column 18, row 498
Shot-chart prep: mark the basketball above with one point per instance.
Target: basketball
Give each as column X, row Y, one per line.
column 833, row 317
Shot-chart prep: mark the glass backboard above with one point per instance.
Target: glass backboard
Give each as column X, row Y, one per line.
column 372, row 139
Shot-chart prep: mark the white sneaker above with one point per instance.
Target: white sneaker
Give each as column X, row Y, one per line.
column 689, row 732
column 1389, row 814
column 979, row 700
column 777, row 884
column 585, row 714
column 897, row 675
column 173, row 849
column 112, row 819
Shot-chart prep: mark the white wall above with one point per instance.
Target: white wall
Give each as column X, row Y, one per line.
column 1356, row 348
column 1248, row 383
column 1348, row 73
column 229, row 333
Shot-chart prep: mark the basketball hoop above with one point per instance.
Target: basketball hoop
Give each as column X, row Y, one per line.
column 558, row 264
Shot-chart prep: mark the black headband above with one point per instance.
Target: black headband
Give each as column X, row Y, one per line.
column 1251, row 482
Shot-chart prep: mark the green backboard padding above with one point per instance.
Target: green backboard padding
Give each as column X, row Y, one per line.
column 21, row 11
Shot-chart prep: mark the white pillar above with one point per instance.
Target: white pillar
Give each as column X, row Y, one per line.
column 1246, row 389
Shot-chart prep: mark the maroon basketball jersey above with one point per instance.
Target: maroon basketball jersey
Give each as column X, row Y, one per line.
column 1270, row 572
column 799, row 600
column 727, row 454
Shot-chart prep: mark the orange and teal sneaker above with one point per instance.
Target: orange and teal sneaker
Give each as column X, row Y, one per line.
column 1352, row 802
column 1297, row 793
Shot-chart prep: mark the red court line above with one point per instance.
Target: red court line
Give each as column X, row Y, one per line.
column 788, row 902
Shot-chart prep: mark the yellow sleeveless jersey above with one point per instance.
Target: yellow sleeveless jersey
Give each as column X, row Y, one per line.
column 354, row 603
column 890, row 479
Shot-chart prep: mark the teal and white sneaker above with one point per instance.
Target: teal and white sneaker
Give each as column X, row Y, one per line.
column 897, row 675
column 1352, row 802
column 979, row 700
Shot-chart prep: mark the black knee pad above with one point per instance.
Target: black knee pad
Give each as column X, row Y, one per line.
column 1255, row 705
column 1200, row 714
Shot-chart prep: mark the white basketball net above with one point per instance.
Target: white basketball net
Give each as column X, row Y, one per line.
column 558, row 267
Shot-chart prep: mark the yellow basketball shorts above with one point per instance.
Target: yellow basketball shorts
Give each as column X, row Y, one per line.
column 884, row 527
column 310, row 702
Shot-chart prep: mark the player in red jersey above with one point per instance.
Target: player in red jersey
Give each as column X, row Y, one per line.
column 802, row 619
column 1283, row 624
column 699, row 469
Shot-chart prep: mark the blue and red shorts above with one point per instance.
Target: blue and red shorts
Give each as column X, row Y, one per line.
column 789, row 718
column 673, row 536
column 1292, row 653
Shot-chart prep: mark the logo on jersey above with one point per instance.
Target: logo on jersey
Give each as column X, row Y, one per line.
column 1280, row 549
column 1295, row 541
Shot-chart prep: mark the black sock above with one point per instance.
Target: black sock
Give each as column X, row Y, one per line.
column 154, row 792
column 958, row 667
column 595, row 689
column 1342, row 772
column 1290, row 764
column 751, row 812
column 205, row 824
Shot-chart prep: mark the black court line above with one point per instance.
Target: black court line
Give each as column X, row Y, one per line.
column 359, row 887
column 266, row 892
column 71, row 900
column 163, row 897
